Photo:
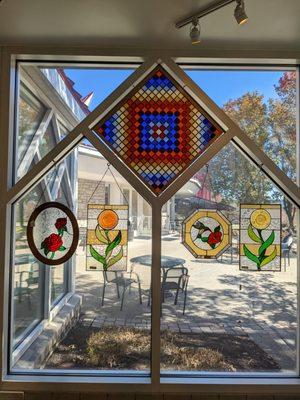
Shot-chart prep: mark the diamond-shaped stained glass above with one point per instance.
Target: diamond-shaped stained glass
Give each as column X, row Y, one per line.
column 158, row 130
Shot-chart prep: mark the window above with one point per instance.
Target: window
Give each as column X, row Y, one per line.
column 38, row 290
column 183, row 221
column 221, row 311
column 28, row 275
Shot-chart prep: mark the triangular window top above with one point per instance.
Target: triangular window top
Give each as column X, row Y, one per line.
column 158, row 130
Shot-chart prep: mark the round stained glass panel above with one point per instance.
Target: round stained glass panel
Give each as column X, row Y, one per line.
column 52, row 233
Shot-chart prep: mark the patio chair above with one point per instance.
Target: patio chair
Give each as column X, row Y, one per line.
column 122, row 280
column 286, row 247
column 175, row 279
column 29, row 279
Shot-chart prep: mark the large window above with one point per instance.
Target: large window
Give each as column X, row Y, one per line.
column 187, row 233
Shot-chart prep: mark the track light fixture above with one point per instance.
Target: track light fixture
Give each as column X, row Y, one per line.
column 195, row 32
column 239, row 12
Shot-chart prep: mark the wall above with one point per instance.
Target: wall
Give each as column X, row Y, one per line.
column 85, row 191
column 129, row 396
column 141, row 396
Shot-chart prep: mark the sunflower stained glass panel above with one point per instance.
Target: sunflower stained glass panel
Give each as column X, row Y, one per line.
column 158, row 130
column 260, row 237
column 107, row 236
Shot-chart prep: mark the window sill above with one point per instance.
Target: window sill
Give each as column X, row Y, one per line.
column 143, row 384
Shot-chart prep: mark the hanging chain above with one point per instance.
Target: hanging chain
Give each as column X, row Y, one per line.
column 122, row 192
column 259, row 179
column 205, row 176
column 108, row 169
column 98, row 184
column 209, row 186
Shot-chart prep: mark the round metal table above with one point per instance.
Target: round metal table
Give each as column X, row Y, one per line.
column 166, row 264
column 166, row 261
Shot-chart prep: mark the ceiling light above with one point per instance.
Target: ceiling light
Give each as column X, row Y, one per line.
column 239, row 12
column 195, row 32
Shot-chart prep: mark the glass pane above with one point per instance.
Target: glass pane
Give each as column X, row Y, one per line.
column 63, row 131
column 66, row 101
column 28, row 274
column 47, row 141
column 109, row 335
column 31, row 112
column 263, row 103
column 99, row 83
column 58, row 277
column 106, row 322
column 229, row 285
column 58, row 282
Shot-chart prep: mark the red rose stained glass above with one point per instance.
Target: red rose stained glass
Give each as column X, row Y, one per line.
column 52, row 233
column 158, row 130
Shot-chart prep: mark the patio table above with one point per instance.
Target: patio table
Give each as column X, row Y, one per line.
column 167, row 262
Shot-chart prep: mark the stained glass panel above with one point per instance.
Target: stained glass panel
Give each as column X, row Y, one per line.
column 260, row 237
column 52, row 233
column 158, row 130
column 107, row 236
column 206, row 233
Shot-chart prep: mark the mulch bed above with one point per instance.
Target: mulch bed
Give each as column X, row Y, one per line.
column 129, row 348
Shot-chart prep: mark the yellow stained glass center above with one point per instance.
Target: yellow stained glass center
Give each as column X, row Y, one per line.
column 260, row 219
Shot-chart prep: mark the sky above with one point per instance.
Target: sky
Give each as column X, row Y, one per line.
column 221, row 86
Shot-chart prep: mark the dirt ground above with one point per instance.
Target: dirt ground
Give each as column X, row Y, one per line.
column 129, row 348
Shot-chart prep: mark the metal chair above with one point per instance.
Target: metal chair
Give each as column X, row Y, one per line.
column 286, row 248
column 27, row 279
column 175, row 279
column 120, row 279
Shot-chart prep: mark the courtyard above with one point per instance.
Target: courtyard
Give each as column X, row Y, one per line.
column 220, row 300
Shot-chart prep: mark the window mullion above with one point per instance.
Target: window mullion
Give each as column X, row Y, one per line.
column 298, row 212
column 156, row 293
column 47, row 291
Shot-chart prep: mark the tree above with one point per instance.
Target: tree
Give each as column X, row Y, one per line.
column 240, row 180
column 272, row 126
column 281, row 146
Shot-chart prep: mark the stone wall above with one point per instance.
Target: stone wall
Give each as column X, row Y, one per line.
column 85, row 190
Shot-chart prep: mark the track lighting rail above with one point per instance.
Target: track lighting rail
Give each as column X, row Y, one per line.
column 203, row 12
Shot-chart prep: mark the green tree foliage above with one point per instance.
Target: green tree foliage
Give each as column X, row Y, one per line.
column 281, row 145
column 272, row 126
column 231, row 174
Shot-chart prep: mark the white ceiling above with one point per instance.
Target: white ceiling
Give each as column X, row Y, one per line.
column 273, row 24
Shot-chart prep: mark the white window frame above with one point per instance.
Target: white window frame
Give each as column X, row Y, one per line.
column 36, row 84
column 120, row 383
